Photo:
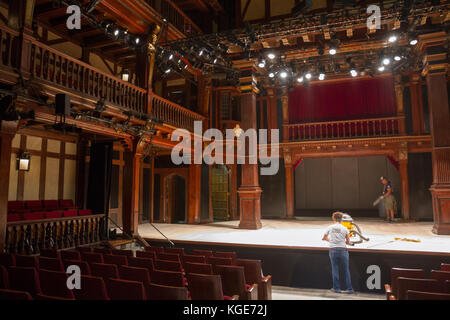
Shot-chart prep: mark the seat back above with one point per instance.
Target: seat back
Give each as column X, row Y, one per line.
column 445, row 266
column 54, row 283
column 199, row 268
column 70, row 213
column 70, row 255
column 193, row 258
column 11, row 295
column 13, row 217
column 50, row 253
column 53, row 264
column 219, row 261
column 160, row 292
column 83, row 265
column 136, row 274
column 7, row 260
column 167, row 278
column 16, row 206
column 84, row 249
column 117, row 260
column 424, row 285
column 34, row 205
column 52, row 215
column 231, row 255
column 51, row 205
column 233, row 280
column 125, row 290
column 106, row 271
column 205, row 287
column 179, row 251
column 66, row 204
column 92, row 288
column 146, row 254
column 4, row 282
column 205, row 253
column 51, row 298
column 168, row 265
column 92, row 257
column 24, row 279
column 406, row 273
column 85, row 212
column 169, row 257
column 141, row 263
column 33, row 216
column 419, row 295
column 27, row 261
column 438, row 275
column 155, row 249
column 127, row 253
column 103, row 250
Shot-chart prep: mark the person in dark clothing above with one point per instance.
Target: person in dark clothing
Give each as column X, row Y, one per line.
column 390, row 204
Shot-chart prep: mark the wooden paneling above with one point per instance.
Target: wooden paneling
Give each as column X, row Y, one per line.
column 53, row 146
column 31, row 179
column 70, row 167
column 52, row 179
column 13, row 177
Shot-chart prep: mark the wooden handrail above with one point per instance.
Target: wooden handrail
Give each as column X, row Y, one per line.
column 371, row 127
column 14, row 223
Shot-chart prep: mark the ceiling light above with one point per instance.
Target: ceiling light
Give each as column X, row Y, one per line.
column 271, row 56
column 167, row 70
column 283, row 74
column 332, row 51
column 413, row 42
column 353, row 72
column 322, row 76
column 397, row 58
column 262, row 64
column 392, row 38
column 381, row 68
column 171, row 57
column 116, row 32
column 308, row 76
column 215, row 60
column 300, row 79
column 271, row 75
column 386, row 61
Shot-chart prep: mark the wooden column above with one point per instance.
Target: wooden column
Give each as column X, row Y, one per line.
column 399, row 99
column 416, row 104
column 435, row 70
column 194, row 190
column 249, row 191
column 7, row 132
column 403, row 164
column 285, row 112
column 131, row 187
column 289, row 186
column 272, row 108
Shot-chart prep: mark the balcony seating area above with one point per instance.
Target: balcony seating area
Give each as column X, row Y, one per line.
column 118, row 275
column 413, row 284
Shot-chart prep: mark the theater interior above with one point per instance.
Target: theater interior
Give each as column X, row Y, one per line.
column 97, row 96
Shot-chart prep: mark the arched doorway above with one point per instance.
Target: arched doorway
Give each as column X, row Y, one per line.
column 220, row 192
column 175, row 199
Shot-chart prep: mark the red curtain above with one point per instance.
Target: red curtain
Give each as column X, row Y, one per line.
column 347, row 100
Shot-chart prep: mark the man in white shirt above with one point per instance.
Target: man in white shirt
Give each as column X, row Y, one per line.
column 338, row 237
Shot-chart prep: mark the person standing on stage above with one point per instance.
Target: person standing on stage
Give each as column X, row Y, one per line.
column 338, row 237
column 390, row 204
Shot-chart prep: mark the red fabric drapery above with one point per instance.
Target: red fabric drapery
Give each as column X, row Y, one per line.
column 353, row 99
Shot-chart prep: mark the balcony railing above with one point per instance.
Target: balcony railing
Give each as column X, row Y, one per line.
column 29, row 237
column 361, row 128
column 175, row 16
column 56, row 69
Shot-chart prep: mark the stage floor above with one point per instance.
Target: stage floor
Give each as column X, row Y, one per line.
column 304, row 233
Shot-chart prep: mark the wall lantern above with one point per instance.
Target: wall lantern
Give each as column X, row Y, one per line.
column 125, row 75
column 23, row 161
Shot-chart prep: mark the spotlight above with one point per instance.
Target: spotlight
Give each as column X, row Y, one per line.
column 413, row 42
column 171, row 56
column 262, row 63
column 271, row 56
column 321, row 76
column 215, row 60
column 116, row 32
column 392, row 38
column 201, row 52
column 308, row 76
column 167, row 70
column 397, row 58
column 381, row 68
column 386, row 61
column 283, row 74
column 271, row 75
column 353, row 72
column 137, row 40
column 332, row 51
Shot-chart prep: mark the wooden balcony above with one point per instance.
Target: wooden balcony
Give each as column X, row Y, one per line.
column 348, row 129
column 50, row 68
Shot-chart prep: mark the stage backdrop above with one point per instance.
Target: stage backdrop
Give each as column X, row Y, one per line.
column 353, row 99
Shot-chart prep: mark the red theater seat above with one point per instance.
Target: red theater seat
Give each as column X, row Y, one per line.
column 84, row 266
column 193, row 259
column 141, row 263
column 70, row 255
column 52, row 215
column 16, row 206
column 254, row 274
column 117, row 252
column 219, row 261
column 4, row 282
column 424, row 285
column 179, row 251
column 13, row 217
column 167, row 278
column 66, row 204
column 160, row 292
column 102, row 250
column 51, row 205
column 136, row 274
column 92, row 257
column 392, row 290
column 7, row 260
column 206, row 287
column 106, row 271
column 85, row 212
column 438, row 275
column 84, row 249
column 51, row 298
column 54, row 283
column 70, row 213
column 445, row 266
column 125, row 290
column 155, row 249
column 50, row 253
column 168, row 265
column 205, row 253
column 418, row 295
column 199, row 268
column 53, row 264
column 92, row 288
column 11, row 295
column 146, row 254
column 169, row 257
column 33, row 216
column 117, row 260
column 24, row 279
column 231, row 255
column 27, row 261
column 34, row 205
column 233, row 283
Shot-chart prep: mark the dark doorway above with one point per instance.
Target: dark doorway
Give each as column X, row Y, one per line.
column 176, row 199
column 220, row 178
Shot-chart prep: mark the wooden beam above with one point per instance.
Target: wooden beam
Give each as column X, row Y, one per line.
column 247, row 4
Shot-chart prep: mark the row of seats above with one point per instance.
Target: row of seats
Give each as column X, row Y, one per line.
column 412, row 284
column 26, row 216
column 164, row 279
column 40, row 205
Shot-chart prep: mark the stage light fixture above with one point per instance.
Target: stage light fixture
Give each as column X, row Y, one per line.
column 171, row 56
column 381, row 68
column 262, row 63
column 332, row 51
column 283, row 74
column 300, row 79
column 353, row 72
column 321, row 76
column 215, row 60
column 308, row 76
column 397, row 58
column 271, row 55
column 392, row 38
column 116, row 32
column 137, row 40
column 271, row 75
column 386, row 61
column 413, row 42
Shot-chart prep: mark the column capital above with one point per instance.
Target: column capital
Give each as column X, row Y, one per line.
column 247, row 76
column 432, row 46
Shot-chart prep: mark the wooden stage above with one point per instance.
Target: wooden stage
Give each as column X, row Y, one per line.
column 294, row 254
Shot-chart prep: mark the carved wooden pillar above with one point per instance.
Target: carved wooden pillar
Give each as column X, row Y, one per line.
column 399, row 99
column 7, row 132
column 285, row 111
column 272, row 108
column 289, row 185
column 403, row 164
column 131, row 185
column 249, row 191
column 80, row 172
column 435, row 70
column 194, row 186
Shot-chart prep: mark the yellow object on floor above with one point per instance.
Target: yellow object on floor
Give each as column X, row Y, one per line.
column 406, row 239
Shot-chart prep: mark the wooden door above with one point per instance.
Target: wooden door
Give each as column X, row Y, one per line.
column 220, row 192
